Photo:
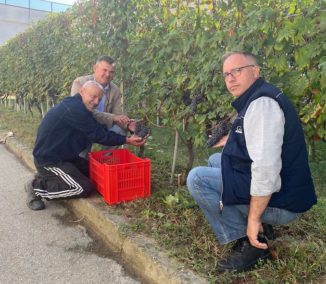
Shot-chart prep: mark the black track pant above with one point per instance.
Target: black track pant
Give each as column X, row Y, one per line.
column 63, row 180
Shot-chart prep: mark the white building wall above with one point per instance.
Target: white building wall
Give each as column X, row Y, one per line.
column 14, row 20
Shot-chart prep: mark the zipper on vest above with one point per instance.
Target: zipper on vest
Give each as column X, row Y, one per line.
column 221, row 206
column 221, row 202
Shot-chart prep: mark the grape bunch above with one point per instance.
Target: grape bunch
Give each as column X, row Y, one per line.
column 186, row 97
column 220, row 130
column 141, row 130
column 195, row 101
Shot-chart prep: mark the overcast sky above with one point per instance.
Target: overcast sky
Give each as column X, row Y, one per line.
column 68, row 2
column 43, row 5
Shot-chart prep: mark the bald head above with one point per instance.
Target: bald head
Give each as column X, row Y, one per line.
column 92, row 83
column 248, row 55
column 91, row 93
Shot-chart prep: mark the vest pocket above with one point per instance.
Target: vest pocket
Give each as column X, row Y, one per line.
column 240, row 165
column 242, row 190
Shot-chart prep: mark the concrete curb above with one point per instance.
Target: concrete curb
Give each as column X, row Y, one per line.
column 139, row 252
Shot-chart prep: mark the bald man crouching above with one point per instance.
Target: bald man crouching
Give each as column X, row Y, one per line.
column 66, row 130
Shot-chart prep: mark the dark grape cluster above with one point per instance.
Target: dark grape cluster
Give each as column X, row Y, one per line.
column 186, row 97
column 269, row 231
column 220, row 130
column 195, row 101
column 141, row 130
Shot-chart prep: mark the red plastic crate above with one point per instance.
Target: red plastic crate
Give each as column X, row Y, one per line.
column 119, row 175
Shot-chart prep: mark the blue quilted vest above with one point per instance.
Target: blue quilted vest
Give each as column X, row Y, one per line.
column 297, row 191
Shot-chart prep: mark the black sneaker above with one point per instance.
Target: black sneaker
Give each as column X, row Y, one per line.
column 33, row 201
column 243, row 256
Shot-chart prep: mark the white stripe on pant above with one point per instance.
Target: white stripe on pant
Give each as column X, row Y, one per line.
column 76, row 188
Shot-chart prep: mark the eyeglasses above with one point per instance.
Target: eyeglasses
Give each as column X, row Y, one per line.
column 236, row 71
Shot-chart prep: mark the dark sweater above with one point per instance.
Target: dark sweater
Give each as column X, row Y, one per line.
column 67, row 129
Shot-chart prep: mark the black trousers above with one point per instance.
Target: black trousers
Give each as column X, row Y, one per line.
column 63, row 180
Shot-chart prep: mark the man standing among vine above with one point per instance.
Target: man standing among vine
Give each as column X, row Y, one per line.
column 262, row 174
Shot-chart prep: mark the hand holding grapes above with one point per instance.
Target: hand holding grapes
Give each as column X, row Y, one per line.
column 221, row 142
column 219, row 134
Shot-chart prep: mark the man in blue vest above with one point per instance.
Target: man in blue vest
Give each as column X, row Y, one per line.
column 262, row 175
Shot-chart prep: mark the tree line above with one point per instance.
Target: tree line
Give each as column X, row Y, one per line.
column 169, row 55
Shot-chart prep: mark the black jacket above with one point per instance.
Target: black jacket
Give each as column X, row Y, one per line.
column 67, row 129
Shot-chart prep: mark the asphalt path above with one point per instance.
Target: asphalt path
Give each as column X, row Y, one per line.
column 48, row 246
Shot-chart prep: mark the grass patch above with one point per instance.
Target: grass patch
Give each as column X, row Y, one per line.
column 174, row 220
column 24, row 125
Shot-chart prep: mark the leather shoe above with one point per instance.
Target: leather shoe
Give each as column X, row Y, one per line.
column 33, row 201
column 243, row 256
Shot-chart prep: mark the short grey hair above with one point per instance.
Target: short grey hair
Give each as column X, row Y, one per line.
column 244, row 53
column 93, row 83
column 108, row 59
